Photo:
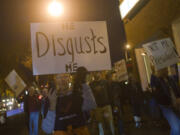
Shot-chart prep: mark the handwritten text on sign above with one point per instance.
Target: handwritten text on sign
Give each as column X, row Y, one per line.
column 162, row 53
column 63, row 47
column 15, row 82
column 121, row 70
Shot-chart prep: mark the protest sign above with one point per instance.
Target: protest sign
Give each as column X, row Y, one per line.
column 121, row 70
column 176, row 33
column 65, row 46
column 15, row 82
column 162, row 53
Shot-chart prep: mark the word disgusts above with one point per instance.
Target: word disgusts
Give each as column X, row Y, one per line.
column 71, row 45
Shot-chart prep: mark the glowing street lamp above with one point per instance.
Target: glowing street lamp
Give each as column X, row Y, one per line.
column 55, row 9
column 128, row 46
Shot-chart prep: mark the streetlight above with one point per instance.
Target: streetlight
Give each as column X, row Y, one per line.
column 128, row 47
column 55, row 8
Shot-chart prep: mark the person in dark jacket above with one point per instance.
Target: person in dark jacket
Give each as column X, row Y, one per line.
column 50, row 100
column 115, row 89
column 167, row 94
column 34, row 105
column 136, row 99
column 103, row 112
column 26, row 111
column 69, row 115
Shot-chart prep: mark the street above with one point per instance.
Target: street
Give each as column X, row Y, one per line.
column 16, row 126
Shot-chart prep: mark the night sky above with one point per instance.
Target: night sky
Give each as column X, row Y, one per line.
column 16, row 16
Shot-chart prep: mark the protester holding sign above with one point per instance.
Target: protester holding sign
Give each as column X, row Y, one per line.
column 59, row 49
column 69, row 111
column 49, row 109
column 103, row 112
column 162, row 53
column 34, row 108
column 136, row 95
column 89, row 102
column 167, row 95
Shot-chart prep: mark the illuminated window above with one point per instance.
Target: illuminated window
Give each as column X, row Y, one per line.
column 126, row 6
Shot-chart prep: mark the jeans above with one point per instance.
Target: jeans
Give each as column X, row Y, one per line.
column 154, row 110
column 33, row 123
column 42, row 109
column 120, row 127
column 103, row 116
column 172, row 119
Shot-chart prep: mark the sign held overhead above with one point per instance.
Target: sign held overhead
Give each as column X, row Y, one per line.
column 162, row 53
column 63, row 47
column 15, row 82
column 121, row 70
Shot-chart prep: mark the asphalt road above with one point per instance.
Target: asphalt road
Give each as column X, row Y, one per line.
column 16, row 126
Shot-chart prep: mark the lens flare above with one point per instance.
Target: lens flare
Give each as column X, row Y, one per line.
column 55, row 9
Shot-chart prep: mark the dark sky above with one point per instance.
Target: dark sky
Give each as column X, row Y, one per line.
column 14, row 33
column 16, row 16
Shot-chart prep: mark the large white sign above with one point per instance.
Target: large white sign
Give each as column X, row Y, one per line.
column 62, row 47
column 176, row 33
column 121, row 70
column 15, row 82
column 162, row 53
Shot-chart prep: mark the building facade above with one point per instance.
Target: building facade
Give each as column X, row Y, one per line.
column 154, row 21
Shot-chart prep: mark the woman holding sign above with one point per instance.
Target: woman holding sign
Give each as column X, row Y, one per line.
column 71, row 105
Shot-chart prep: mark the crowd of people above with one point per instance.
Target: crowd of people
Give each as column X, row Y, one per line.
column 68, row 105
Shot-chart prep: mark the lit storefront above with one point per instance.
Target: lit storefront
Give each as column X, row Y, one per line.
column 143, row 25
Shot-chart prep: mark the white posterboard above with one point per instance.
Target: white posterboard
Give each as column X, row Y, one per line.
column 121, row 70
column 162, row 53
column 15, row 82
column 176, row 33
column 65, row 46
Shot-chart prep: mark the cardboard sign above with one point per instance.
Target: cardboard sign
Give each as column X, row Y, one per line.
column 176, row 33
column 121, row 70
column 162, row 53
column 63, row 47
column 15, row 82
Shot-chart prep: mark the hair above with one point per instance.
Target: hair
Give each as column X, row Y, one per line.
column 52, row 86
column 79, row 78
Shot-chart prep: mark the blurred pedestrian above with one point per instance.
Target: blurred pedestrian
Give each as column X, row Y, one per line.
column 49, row 110
column 115, row 89
column 26, row 109
column 89, row 102
column 103, row 112
column 69, row 115
column 34, row 105
column 137, row 99
column 154, row 107
column 167, row 95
